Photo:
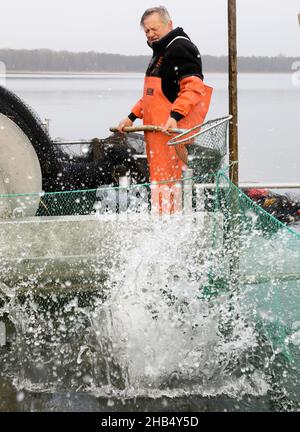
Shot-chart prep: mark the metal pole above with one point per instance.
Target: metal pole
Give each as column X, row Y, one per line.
column 124, row 184
column 248, row 185
column 232, row 90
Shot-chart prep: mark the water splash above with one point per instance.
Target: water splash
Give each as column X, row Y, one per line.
column 153, row 332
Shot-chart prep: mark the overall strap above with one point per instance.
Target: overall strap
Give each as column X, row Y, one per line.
column 177, row 37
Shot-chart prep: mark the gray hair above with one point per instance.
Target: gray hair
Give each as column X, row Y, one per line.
column 162, row 12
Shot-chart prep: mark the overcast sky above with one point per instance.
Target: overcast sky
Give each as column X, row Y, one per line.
column 265, row 27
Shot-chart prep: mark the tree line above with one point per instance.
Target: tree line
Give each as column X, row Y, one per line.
column 46, row 60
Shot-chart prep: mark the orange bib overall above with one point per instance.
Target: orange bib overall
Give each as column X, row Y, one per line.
column 163, row 160
column 166, row 162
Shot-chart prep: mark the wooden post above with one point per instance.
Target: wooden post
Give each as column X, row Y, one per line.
column 232, row 90
column 234, row 225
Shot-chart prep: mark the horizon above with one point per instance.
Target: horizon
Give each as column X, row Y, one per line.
column 279, row 55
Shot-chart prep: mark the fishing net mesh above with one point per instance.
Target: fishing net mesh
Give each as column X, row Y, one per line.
column 207, row 146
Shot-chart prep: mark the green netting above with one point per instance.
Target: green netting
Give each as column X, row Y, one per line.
column 256, row 260
column 83, row 202
column 252, row 245
column 67, row 203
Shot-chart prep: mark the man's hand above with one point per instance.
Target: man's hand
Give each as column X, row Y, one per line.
column 170, row 124
column 124, row 123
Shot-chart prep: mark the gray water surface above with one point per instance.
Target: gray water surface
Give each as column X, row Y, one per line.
column 85, row 106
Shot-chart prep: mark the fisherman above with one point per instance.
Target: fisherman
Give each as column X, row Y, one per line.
column 174, row 93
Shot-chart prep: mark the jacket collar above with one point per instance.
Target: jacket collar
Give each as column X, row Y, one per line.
column 161, row 44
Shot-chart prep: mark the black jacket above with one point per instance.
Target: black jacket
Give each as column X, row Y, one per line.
column 172, row 63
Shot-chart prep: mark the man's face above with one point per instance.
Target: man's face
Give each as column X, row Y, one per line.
column 155, row 28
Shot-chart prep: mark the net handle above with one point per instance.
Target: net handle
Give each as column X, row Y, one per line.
column 147, row 128
column 204, row 128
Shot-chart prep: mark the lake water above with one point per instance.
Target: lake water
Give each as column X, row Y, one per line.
column 85, row 106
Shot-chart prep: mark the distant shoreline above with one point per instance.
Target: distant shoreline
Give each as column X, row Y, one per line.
column 45, row 61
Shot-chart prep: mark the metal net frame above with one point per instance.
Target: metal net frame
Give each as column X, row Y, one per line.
column 211, row 135
column 206, row 145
